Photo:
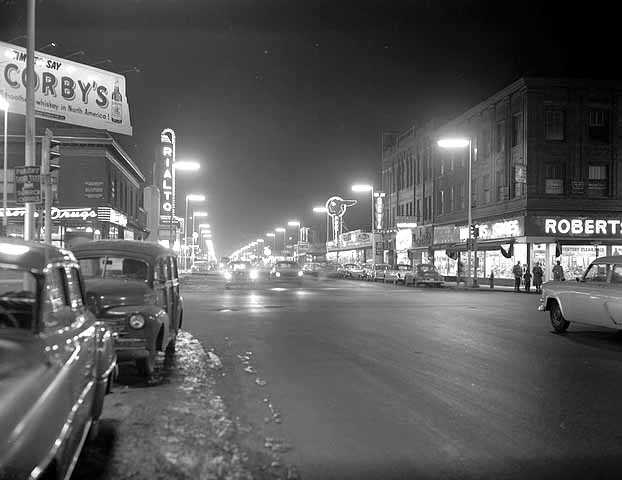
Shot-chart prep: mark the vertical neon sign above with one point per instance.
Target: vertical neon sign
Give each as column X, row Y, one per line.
column 167, row 187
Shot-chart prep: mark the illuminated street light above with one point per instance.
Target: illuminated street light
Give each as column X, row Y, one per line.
column 191, row 197
column 260, row 240
column 320, row 209
column 270, row 234
column 364, row 188
column 187, row 165
column 279, row 229
column 293, row 223
column 199, row 214
column 194, row 197
column 462, row 142
column 204, row 225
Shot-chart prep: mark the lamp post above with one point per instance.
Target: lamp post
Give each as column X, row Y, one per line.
column 280, row 230
column 369, row 188
column 191, row 197
column 323, row 210
column 452, row 143
column 4, row 105
column 195, row 215
column 184, row 166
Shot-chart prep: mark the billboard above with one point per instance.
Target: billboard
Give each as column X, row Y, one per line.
column 65, row 91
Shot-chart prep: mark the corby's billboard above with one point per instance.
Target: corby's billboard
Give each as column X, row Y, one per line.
column 66, row 91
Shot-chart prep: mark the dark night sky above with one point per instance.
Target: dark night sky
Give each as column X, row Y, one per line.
column 284, row 101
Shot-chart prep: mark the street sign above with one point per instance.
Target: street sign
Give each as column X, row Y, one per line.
column 28, row 184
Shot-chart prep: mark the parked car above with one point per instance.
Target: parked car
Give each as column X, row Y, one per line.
column 377, row 272
column 287, row 271
column 424, row 274
column 595, row 298
column 396, row 275
column 312, row 269
column 200, row 267
column 57, row 362
column 241, row 273
column 344, row 270
column 134, row 288
column 357, row 271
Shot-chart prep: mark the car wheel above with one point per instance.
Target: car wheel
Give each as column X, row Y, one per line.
column 559, row 323
column 146, row 365
column 170, row 347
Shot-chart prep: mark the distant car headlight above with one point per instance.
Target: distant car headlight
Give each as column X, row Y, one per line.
column 254, row 274
column 137, row 321
column 228, row 275
column 277, row 274
column 300, row 273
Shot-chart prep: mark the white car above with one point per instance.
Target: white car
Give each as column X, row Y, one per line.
column 595, row 298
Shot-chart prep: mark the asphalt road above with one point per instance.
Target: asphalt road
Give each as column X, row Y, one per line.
column 348, row 379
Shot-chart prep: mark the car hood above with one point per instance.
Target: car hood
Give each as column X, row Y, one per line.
column 117, row 293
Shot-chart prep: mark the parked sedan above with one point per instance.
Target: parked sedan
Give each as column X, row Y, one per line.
column 56, row 362
column 595, row 298
column 287, row 271
column 423, row 274
column 377, row 272
column 133, row 287
column 397, row 275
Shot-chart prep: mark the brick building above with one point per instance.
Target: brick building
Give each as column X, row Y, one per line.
column 97, row 189
column 546, row 176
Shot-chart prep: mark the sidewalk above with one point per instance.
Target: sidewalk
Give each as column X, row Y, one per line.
column 486, row 288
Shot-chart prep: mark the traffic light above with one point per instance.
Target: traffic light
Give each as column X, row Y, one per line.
column 474, row 231
column 53, row 149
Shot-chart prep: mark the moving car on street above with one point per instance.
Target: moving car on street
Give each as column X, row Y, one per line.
column 57, row 362
column 133, row 287
column 423, row 274
column 595, row 298
column 241, row 273
column 287, row 271
column 200, row 267
column 343, row 270
column 312, row 269
column 396, row 275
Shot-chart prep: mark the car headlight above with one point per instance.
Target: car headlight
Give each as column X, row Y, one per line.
column 137, row 321
column 277, row 274
column 254, row 274
column 300, row 273
column 228, row 275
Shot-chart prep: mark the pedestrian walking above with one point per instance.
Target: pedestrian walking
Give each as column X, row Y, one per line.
column 538, row 273
column 558, row 272
column 518, row 275
column 527, row 280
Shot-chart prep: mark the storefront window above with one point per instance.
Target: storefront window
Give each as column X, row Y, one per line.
column 445, row 265
column 576, row 258
column 616, row 250
column 501, row 266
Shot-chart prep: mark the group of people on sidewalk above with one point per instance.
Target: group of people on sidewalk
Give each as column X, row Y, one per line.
column 525, row 277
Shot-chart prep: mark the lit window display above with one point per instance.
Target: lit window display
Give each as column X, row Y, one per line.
column 501, row 266
column 616, row 250
column 445, row 265
column 576, row 258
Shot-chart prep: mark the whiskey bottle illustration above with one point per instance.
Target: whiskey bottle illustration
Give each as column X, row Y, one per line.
column 116, row 105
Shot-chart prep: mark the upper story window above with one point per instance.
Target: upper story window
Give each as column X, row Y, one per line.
column 554, row 125
column 598, row 124
column 598, row 185
column 517, row 129
column 500, row 137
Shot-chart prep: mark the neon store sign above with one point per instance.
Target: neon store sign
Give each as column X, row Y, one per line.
column 167, row 187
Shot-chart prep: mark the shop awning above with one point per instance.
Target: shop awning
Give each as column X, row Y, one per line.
column 482, row 245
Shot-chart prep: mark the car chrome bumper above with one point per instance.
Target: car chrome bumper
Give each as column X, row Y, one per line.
column 131, row 348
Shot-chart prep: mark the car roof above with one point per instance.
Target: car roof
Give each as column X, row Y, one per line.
column 32, row 256
column 128, row 247
column 609, row 259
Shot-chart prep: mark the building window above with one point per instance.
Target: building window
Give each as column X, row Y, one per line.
column 516, row 129
column 597, row 185
column 554, row 125
column 486, row 188
column 500, row 137
column 554, row 179
column 598, row 125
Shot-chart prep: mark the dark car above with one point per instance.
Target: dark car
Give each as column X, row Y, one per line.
column 241, row 273
column 287, row 271
column 424, row 274
column 134, row 287
column 56, row 362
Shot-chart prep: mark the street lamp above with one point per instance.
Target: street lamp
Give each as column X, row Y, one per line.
column 195, row 215
column 323, row 210
column 187, row 165
column 364, row 188
column 461, row 142
column 191, row 197
column 4, row 105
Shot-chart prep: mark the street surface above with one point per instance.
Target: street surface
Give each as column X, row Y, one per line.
column 348, row 379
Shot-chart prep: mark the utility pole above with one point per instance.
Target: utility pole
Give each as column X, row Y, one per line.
column 30, row 141
column 46, row 181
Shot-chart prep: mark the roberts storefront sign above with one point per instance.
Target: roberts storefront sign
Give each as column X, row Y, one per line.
column 581, row 227
column 66, row 91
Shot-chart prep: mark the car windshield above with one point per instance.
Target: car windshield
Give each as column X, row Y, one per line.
column 239, row 266
column 18, row 298
column 427, row 268
column 286, row 265
column 114, row 267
